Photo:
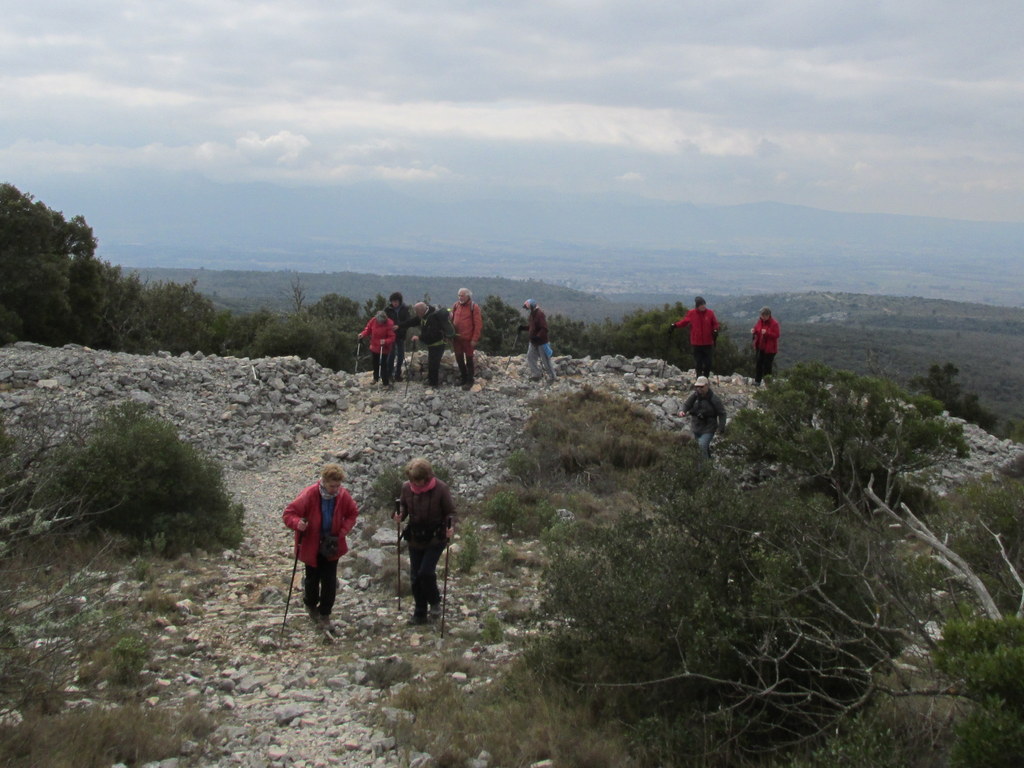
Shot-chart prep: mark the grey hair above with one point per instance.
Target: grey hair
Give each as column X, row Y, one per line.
column 468, row 292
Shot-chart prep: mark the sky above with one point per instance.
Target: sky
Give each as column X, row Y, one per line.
column 912, row 107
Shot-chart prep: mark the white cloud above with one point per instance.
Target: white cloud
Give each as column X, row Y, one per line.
column 886, row 105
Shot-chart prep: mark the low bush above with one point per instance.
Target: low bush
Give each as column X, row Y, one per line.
column 987, row 659
column 100, row 737
column 467, row 553
column 519, row 511
column 739, row 623
column 521, row 721
column 593, row 436
column 136, row 477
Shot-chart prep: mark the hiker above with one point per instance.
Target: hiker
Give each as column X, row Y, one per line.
column 399, row 313
column 703, row 334
column 426, row 504
column 321, row 516
column 468, row 322
column 707, row 415
column 435, row 328
column 765, row 340
column 381, row 330
column 539, row 348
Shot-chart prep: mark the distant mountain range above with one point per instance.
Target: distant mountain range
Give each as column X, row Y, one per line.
column 601, row 244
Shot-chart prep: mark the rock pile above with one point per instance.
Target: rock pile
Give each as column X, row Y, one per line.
column 283, row 698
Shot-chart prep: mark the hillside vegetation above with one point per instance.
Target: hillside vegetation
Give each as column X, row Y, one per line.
column 900, row 337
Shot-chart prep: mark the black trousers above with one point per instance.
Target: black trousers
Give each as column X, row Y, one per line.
column 423, row 575
column 764, row 365
column 434, row 354
column 321, row 586
column 380, row 367
column 702, row 355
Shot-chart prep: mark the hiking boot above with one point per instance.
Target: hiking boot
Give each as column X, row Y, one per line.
column 398, row 377
column 313, row 613
column 435, row 612
column 418, row 620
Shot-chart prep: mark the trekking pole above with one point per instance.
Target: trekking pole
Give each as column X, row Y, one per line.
column 359, row 346
column 291, row 583
column 398, row 549
column 409, row 368
column 444, row 594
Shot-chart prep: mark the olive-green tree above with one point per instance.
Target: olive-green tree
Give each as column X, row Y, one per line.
column 501, row 325
column 135, row 476
column 41, row 254
column 836, row 430
column 941, row 383
column 720, row 622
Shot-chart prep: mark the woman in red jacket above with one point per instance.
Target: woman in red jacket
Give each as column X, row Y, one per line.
column 321, row 516
column 381, row 330
column 765, row 335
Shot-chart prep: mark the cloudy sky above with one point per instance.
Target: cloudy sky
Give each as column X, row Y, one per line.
column 910, row 107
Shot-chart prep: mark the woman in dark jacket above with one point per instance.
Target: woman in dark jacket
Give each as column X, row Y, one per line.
column 426, row 503
column 321, row 516
column 399, row 313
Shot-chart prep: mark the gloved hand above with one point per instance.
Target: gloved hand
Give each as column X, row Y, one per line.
column 671, row 327
column 714, row 334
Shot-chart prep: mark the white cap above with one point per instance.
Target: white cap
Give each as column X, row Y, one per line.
column 702, row 381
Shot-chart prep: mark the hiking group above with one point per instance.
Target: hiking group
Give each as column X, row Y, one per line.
column 324, row 513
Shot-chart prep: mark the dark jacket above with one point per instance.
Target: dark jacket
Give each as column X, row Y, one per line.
column 537, row 327
column 428, row 514
column 399, row 314
column 435, row 325
column 307, row 506
column 706, row 412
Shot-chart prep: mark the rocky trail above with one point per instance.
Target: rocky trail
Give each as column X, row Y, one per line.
column 282, row 695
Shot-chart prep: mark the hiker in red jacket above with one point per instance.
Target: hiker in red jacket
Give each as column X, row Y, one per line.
column 703, row 334
column 765, row 339
column 468, row 322
column 321, row 516
column 381, row 330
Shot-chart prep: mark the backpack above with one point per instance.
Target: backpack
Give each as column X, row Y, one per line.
column 437, row 326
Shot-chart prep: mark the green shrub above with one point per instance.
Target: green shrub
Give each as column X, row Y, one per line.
column 972, row 518
column 988, row 656
column 522, row 511
column 136, row 477
column 128, row 656
column 743, row 606
column 835, row 430
column 386, row 487
column 492, row 632
column 523, row 466
column 467, row 555
column 594, row 436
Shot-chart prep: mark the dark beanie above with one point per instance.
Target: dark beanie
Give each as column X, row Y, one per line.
column 699, row 301
column 396, row 296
